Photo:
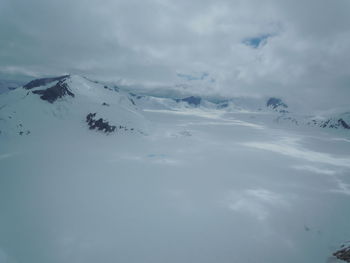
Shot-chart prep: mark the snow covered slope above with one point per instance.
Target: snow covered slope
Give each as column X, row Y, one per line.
column 49, row 102
column 209, row 183
column 269, row 110
column 6, row 85
column 65, row 103
column 335, row 121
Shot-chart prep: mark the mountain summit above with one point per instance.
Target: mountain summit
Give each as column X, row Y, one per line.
column 48, row 102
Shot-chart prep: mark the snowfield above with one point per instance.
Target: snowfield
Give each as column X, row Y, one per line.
column 187, row 184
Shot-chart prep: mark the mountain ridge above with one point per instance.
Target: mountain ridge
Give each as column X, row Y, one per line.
column 108, row 109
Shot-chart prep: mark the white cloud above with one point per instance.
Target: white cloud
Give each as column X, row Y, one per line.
column 307, row 60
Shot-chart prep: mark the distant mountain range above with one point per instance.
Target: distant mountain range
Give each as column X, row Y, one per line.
column 78, row 102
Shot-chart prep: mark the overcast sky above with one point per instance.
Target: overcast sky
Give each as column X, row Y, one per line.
column 296, row 49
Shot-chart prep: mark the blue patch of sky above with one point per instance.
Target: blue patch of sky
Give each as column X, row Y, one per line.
column 189, row 77
column 257, row 41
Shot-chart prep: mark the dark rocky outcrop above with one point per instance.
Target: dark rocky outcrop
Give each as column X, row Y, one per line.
column 223, row 105
column 99, row 124
column 342, row 123
column 192, row 100
column 24, row 133
column 136, row 96
column 332, row 123
column 343, row 253
column 44, row 81
column 132, row 101
column 53, row 93
column 114, row 88
column 275, row 103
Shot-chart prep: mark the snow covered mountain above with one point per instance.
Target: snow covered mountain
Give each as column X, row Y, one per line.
column 271, row 109
column 71, row 102
column 332, row 121
column 77, row 102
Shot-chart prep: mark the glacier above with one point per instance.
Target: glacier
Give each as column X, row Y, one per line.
column 228, row 181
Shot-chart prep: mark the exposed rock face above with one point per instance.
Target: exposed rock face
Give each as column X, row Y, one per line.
column 191, row 100
column 343, row 253
column 275, row 103
column 343, row 124
column 99, row 124
column 132, row 101
column 114, row 88
column 333, row 123
column 223, row 105
column 53, row 93
column 42, row 82
column 136, row 96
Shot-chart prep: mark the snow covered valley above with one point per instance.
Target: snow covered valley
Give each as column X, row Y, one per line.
column 172, row 185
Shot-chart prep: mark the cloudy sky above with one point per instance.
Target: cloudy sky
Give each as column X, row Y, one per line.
column 296, row 49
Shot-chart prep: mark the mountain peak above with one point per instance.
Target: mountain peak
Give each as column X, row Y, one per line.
column 192, row 100
column 275, row 103
column 43, row 81
column 78, row 102
column 59, row 90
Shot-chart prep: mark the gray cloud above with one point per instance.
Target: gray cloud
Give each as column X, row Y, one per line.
column 306, row 59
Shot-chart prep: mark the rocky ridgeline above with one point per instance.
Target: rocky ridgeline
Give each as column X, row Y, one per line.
column 51, row 94
column 43, row 81
column 343, row 253
column 55, row 92
column 333, row 123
